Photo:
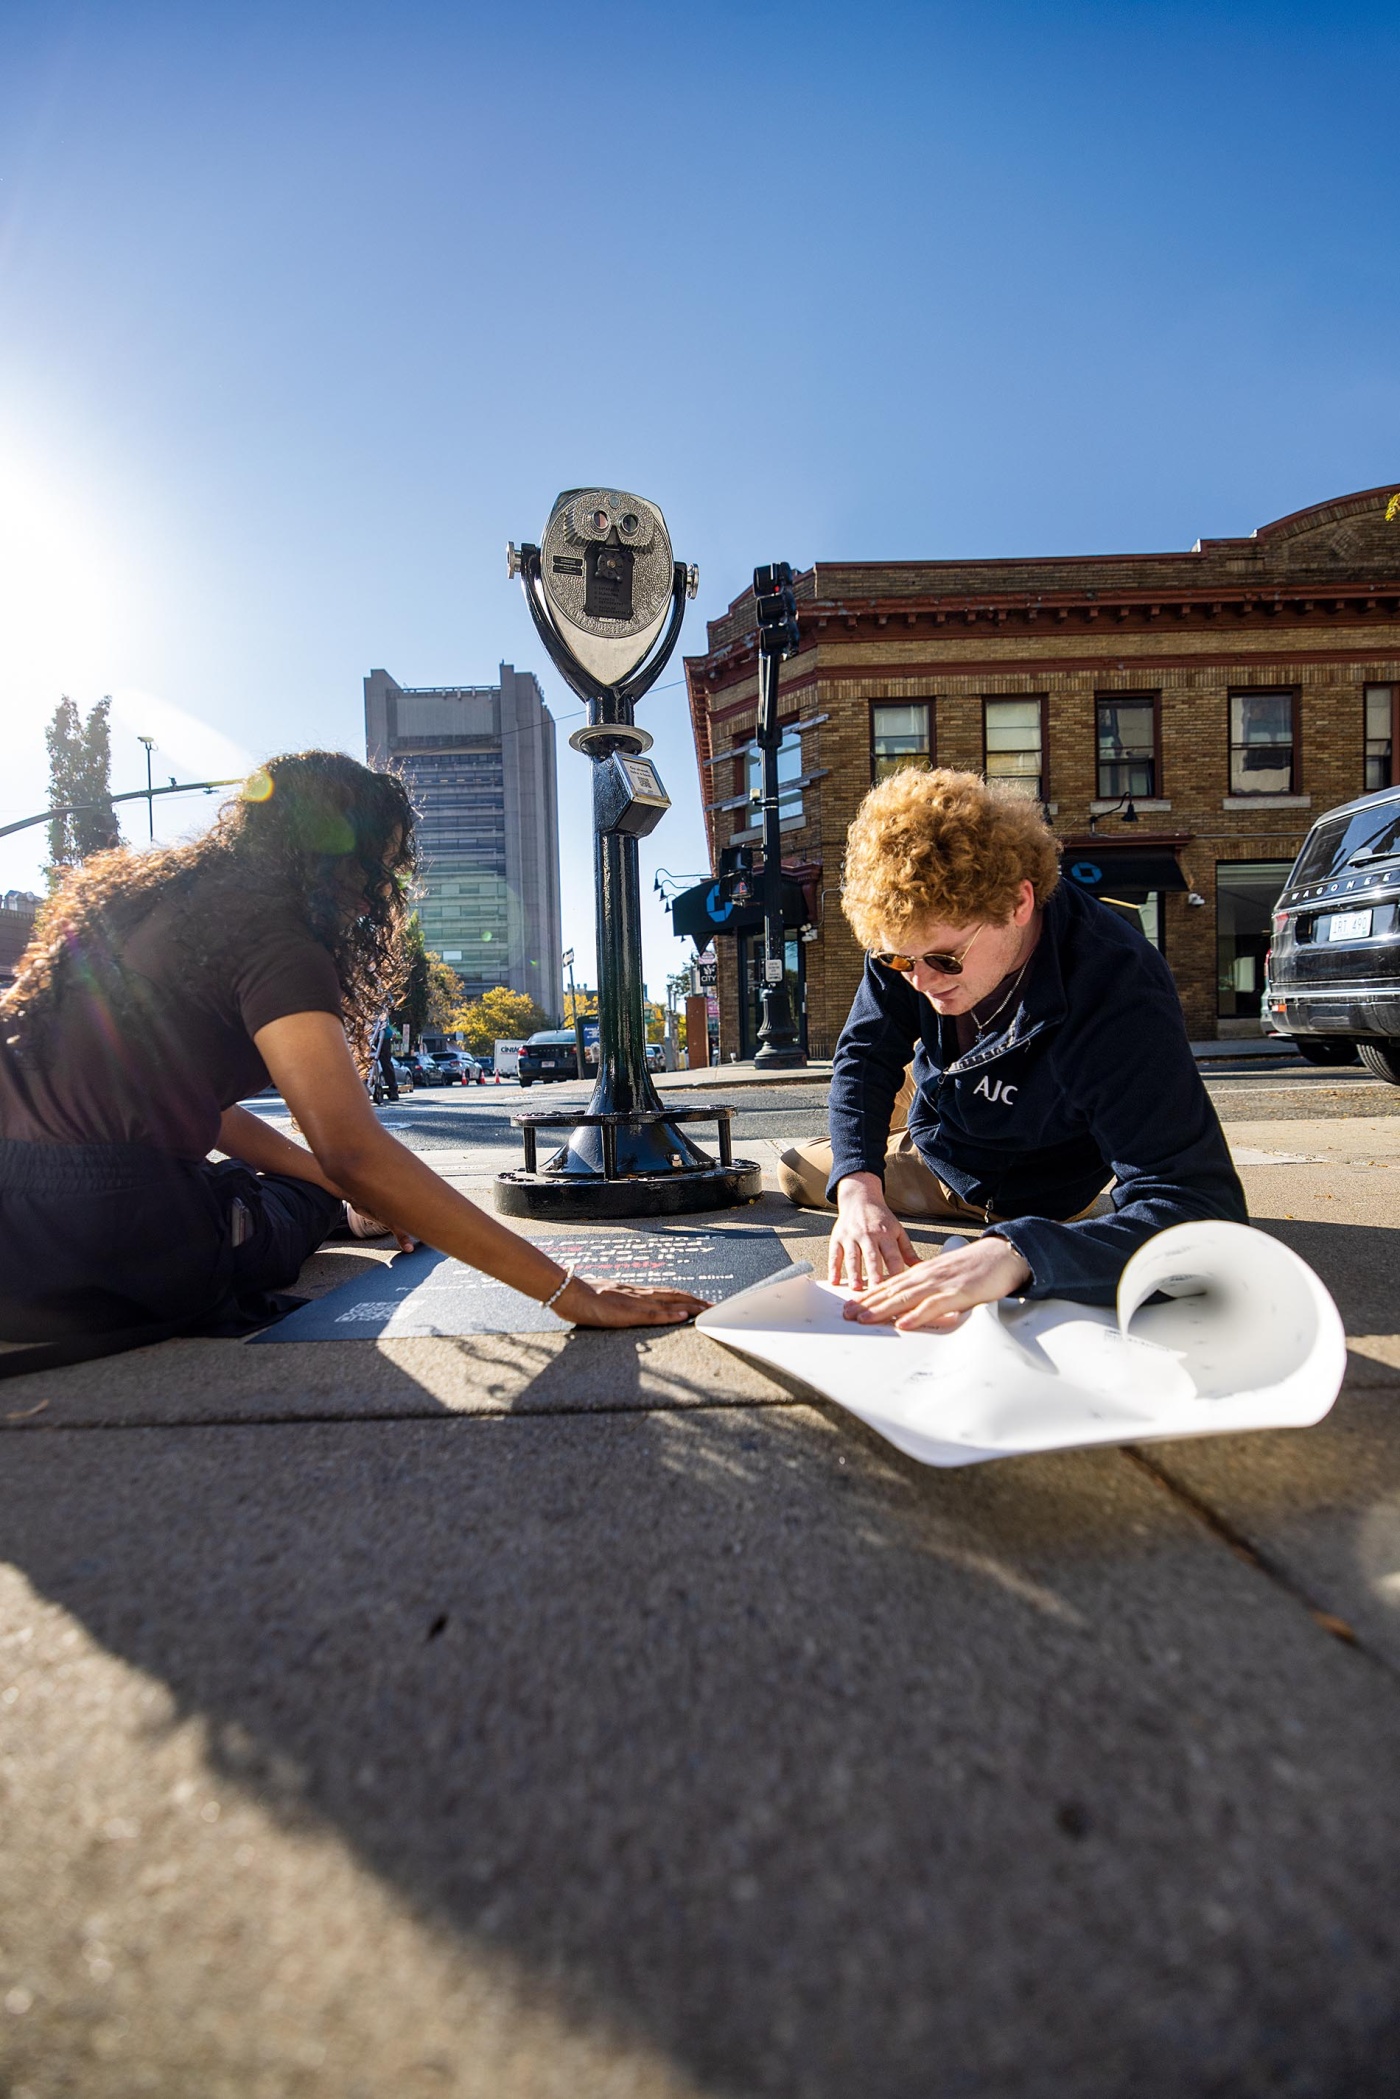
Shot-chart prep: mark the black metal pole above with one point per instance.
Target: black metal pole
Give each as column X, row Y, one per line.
column 136, row 794
column 580, row 1059
column 778, row 1044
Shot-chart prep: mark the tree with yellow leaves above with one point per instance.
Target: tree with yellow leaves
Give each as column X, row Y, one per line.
column 499, row 1015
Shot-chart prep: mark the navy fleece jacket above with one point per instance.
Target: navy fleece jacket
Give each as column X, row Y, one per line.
column 1091, row 1076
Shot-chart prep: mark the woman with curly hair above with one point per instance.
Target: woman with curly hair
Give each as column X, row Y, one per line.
column 162, row 988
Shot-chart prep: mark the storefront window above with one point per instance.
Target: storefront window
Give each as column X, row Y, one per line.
column 899, row 736
column 1146, row 914
column 750, row 957
column 1245, row 894
column 1015, row 755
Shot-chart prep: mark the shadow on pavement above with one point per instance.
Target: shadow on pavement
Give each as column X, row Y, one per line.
column 824, row 1775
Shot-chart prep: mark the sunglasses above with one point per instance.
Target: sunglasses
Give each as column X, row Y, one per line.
column 945, row 965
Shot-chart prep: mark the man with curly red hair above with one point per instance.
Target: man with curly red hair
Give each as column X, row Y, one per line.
column 1026, row 1047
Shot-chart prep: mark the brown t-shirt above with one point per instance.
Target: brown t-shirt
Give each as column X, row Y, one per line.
column 165, row 1082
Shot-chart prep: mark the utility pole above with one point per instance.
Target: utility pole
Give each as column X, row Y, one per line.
column 778, row 1043
column 150, row 791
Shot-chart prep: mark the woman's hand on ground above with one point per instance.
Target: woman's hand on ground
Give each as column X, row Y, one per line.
column 868, row 1242
column 935, row 1296
column 366, row 1227
column 625, row 1304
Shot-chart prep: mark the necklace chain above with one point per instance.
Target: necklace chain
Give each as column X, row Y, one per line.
column 983, row 1025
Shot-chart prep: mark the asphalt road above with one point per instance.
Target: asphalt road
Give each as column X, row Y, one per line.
column 451, row 1118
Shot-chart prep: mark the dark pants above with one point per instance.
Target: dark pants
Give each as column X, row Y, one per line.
column 97, row 1238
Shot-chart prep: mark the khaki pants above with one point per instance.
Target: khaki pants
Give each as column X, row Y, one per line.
column 912, row 1189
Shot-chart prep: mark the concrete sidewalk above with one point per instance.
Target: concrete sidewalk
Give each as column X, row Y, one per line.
column 595, row 1714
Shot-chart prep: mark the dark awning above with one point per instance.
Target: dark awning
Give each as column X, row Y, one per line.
column 698, row 914
column 1128, row 872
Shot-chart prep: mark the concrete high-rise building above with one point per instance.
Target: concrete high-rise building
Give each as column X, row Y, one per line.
column 479, row 763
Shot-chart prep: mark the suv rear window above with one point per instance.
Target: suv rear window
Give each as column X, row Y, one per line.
column 1372, row 834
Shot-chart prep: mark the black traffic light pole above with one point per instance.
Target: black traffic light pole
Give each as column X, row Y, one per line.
column 778, row 1043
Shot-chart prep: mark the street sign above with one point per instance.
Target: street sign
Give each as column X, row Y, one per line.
column 567, row 958
column 773, row 971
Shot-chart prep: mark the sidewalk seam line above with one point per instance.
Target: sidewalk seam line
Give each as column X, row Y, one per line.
column 445, row 1415
column 1244, row 1548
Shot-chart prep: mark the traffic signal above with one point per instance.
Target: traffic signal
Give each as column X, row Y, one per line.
column 736, row 876
column 777, row 608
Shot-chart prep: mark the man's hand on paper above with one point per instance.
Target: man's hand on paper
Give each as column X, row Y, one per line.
column 868, row 1242
column 935, row 1296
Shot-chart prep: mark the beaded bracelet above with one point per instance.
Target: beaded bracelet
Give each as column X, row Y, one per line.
column 559, row 1288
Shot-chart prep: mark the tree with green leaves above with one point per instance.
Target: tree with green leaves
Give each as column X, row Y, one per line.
column 411, row 1012
column 80, row 780
column 432, row 990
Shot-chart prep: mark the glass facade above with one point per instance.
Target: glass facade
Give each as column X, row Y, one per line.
column 1245, row 894
column 1015, row 755
column 751, row 959
column 462, row 859
column 1261, row 743
column 1127, row 748
column 900, row 734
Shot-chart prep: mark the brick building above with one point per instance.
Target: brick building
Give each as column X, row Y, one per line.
column 18, row 910
column 1231, row 693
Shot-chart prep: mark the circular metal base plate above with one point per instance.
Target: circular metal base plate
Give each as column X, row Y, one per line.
column 621, row 736
column 571, row 1197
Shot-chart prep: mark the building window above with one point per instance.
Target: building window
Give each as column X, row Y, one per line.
column 1380, row 737
column 900, row 734
column 1014, row 744
column 1262, row 747
column 1127, row 747
column 789, row 772
column 1245, row 894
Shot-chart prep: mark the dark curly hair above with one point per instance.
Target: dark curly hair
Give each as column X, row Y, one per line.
column 314, row 831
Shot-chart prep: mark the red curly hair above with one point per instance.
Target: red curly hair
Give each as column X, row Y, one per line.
column 942, row 848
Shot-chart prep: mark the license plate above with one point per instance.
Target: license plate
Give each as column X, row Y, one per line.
column 1349, row 925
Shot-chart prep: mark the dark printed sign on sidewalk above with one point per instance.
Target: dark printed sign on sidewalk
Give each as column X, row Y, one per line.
column 427, row 1293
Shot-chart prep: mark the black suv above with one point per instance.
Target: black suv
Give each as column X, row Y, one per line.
column 549, row 1055
column 1332, row 981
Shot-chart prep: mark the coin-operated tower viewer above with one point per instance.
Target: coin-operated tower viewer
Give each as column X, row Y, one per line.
column 608, row 598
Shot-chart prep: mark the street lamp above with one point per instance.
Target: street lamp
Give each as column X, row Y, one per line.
column 607, row 599
column 1124, row 804
column 150, row 792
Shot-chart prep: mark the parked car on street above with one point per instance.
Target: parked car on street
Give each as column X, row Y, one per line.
column 551, row 1054
column 424, row 1070
column 403, row 1075
column 1332, row 975
column 459, row 1068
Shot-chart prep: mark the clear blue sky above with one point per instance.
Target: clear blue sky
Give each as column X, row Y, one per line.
column 306, row 309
